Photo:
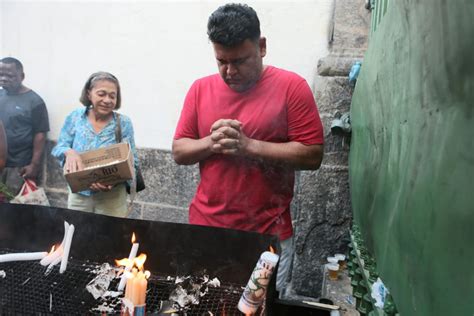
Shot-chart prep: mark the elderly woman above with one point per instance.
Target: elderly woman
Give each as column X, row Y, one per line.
column 93, row 127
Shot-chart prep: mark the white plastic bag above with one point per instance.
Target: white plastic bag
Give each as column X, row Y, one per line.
column 379, row 293
column 31, row 194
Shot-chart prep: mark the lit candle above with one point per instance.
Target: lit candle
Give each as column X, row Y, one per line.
column 256, row 288
column 26, row 256
column 131, row 256
column 137, row 290
column 67, row 248
column 58, row 252
column 136, row 285
column 129, row 290
column 142, row 284
column 52, row 256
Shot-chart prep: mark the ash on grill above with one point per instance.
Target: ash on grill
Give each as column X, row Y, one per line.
column 99, row 286
column 87, row 288
column 189, row 290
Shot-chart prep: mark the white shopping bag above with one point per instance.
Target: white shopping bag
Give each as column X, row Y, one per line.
column 31, row 194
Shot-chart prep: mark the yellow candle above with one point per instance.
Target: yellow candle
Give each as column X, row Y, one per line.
column 135, row 290
column 128, row 288
column 142, row 285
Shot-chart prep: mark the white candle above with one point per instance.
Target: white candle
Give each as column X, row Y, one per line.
column 51, row 265
column 256, row 288
column 67, row 248
column 27, row 256
column 57, row 253
column 131, row 256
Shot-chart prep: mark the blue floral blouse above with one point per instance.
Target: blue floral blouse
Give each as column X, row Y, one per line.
column 77, row 133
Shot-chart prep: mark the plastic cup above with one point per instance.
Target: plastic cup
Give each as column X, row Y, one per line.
column 332, row 259
column 341, row 260
column 333, row 271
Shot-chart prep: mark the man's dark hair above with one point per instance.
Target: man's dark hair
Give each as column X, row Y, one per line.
column 232, row 24
column 11, row 60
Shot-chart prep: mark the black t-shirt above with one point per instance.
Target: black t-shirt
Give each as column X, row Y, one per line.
column 23, row 115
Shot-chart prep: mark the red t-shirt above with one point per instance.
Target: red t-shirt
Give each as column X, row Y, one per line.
column 238, row 192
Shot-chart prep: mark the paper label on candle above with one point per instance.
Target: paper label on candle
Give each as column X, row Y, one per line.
column 256, row 289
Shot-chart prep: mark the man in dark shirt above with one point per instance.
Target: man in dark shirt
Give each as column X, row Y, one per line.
column 25, row 119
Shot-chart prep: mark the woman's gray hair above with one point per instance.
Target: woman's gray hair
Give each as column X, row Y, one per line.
column 99, row 76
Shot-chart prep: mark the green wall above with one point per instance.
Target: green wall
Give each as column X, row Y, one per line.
column 412, row 154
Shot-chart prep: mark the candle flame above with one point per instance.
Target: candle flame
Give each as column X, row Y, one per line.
column 123, row 262
column 140, row 260
column 133, row 238
column 272, row 250
column 147, row 274
column 52, row 249
column 137, row 262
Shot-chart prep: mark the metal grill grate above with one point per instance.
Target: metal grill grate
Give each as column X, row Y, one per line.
column 27, row 290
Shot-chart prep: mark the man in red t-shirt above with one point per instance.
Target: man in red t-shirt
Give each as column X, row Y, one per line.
column 249, row 127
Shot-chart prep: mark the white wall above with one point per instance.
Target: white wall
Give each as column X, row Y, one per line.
column 1, row 27
column 155, row 48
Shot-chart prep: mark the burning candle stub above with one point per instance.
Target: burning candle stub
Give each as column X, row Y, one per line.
column 53, row 255
column 56, row 252
column 46, row 259
column 133, row 303
column 256, row 288
column 131, row 256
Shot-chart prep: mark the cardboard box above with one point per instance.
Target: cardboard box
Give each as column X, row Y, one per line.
column 108, row 165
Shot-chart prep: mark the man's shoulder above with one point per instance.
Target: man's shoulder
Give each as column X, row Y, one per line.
column 283, row 73
column 283, row 80
column 36, row 97
column 29, row 98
